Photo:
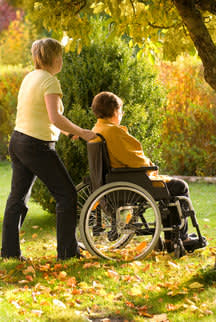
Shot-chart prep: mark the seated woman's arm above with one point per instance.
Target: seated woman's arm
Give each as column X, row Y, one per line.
column 126, row 149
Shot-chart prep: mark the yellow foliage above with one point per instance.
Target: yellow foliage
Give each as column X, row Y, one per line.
column 15, row 42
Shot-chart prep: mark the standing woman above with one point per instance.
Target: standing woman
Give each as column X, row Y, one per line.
column 39, row 122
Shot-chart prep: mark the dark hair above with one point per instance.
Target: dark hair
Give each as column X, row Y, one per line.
column 105, row 104
column 44, row 51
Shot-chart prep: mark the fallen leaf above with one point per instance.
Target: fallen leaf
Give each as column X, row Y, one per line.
column 16, row 304
column 97, row 285
column 44, row 268
column 59, row 303
column 62, row 275
column 29, row 278
column 37, row 312
column 129, row 304
column 146, row 268
column 23, row 282
column 34, row 236
column 113, row 274
column 29, row 269
column 135, row 291
column 173, row 264
column 94, row 264
column 172, row 307
column 159, row 318
column 57, row 267
column 193, row 308
column 196, row 285
column 71, row 282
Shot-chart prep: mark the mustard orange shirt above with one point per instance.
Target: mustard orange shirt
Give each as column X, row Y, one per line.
column 32, row 117
column 124, row 149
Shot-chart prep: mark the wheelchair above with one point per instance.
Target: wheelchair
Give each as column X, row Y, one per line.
column 121, row 210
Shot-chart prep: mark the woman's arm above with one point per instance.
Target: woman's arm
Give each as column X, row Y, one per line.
column 60, row 121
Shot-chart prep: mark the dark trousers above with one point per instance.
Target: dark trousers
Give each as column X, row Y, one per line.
column 33, row 158
column 176, row 187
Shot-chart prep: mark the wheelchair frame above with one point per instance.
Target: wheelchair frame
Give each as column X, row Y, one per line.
column 121, row 210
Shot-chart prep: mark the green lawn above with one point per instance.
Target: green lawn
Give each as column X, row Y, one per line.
column 160, row 288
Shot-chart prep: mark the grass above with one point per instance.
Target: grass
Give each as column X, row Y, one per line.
column 160, row 288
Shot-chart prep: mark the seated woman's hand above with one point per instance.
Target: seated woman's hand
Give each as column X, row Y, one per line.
column 155, row 173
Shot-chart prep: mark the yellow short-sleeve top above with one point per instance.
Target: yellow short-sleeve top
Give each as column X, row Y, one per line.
column 32, row 116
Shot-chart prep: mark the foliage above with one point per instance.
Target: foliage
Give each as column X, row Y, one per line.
column 158, row 288
column 150, row 24
column 7, row 14
column 15, row 42
column 10, row 80
column 172, row 26
column 110, row 67
column 189, row 140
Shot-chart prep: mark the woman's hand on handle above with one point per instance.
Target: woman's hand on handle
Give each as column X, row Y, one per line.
column 88, row 135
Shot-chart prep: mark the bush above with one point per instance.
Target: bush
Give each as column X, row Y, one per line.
column 188, row 136
column 106, row 67
column 10, row 80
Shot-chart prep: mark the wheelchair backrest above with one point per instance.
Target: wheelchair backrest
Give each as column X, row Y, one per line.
column 98, row 160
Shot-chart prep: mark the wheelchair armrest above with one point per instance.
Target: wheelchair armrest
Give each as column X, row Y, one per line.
column 141, row 169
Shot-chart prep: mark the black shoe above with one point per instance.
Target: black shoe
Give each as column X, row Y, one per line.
column 194, row 243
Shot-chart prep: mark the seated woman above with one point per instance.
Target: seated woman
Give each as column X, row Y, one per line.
column 126, row 151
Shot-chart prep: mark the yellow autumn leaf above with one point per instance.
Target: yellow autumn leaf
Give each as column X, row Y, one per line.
column 136, row 291
column 29, row 269
column 62, row 275
column 113, row 274
column 173, row 264
column 196, row 285
column 59, row 303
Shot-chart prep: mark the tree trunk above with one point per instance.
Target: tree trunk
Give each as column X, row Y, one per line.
column 202, row 40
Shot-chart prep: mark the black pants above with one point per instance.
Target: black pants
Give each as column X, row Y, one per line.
column 33, row 158
column 176, row 187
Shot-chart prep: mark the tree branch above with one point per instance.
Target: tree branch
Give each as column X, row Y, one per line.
column 206, row 5
column 82, row 4
column 164, row 27
column 200, row 36
column 132, row 4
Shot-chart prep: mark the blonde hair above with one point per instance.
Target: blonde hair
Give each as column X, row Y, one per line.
column 44, row 51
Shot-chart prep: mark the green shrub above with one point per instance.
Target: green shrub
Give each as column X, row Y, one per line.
column 10, row 80
column 106, row 67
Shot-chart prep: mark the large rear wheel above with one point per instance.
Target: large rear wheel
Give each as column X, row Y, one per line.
column 120, row 221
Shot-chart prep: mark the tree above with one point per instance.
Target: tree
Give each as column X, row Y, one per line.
column 174, row 25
